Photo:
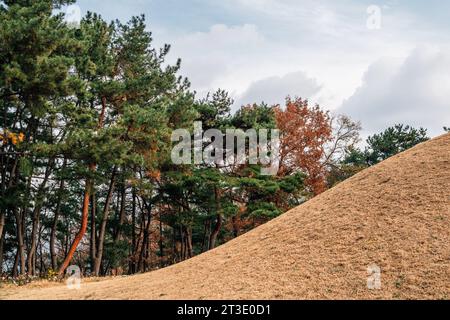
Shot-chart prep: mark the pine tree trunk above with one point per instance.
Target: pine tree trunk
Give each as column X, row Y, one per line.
column 12, row 179
column 2, row 240
column 42, row 268
column 132, row 267
column 55, row 221
column 147, row 225
column 32, row 250
column 87, row 195
column 93, row 236
column 84, row 223
column 53, row 240
column 54, row 227
column 2, row 193
column 102, row 231
column 41, row 261
column 20, row 241
column 36, row 219
column 161, row 242
column 122, row 213
column 206, row 235
column 15, row 271
column 183, row 246
column 218, row 225
column 147, row 237
column 215, row 232
column 190, row 252
column 2, row 237
column 140, row 238
column 148, row 251
column 234, row 222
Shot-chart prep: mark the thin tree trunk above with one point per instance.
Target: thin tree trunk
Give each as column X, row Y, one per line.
column 142, row 263
column 183, row 243
column 132, row 268
column 41, row 256
column 93, row 236
column 215, row 232
column 53, row 238
column 122, row 213
column 36, row 219
column 2, row 191
column 147, row 238
column 19, row 229
column 20, row 241
column 2, row 240
column 33, row 245
column 161, row 242
column 67, row 238
column 102, row 231
column 174, row 243
column 190, row 252
column 235, row 226
column 218, row 225
column 140, row 238
column 55, row 222
column 15, row 271
column 148, row 253
column 206, row 235
column 142, row 252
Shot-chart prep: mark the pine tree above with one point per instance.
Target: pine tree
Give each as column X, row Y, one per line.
column 393, row 141
column 34, row 73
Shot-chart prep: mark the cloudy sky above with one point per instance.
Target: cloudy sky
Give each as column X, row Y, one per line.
column 381, row 65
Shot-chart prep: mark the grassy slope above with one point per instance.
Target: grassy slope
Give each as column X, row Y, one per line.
column 396, row 215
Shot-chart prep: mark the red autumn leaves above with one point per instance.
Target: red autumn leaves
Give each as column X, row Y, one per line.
column 304, row 133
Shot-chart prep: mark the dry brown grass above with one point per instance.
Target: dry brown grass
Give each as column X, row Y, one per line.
column 395, row 215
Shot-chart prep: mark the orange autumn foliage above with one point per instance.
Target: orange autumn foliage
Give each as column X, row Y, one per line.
column 154, row 175
column 304, row 133
column 10, row 137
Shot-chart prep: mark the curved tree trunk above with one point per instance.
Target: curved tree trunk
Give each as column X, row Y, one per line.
column 86, row 200
column 84, row 223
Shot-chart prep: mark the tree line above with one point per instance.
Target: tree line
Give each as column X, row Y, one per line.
column 85, row 140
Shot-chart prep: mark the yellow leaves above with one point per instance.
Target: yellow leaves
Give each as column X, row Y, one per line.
column 11, row 137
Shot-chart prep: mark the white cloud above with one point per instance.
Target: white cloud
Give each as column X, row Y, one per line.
column 274, row 90
column 209, row 56
column 256, row 59
column 411, row 91
column 308, row 15
column 253, row 48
